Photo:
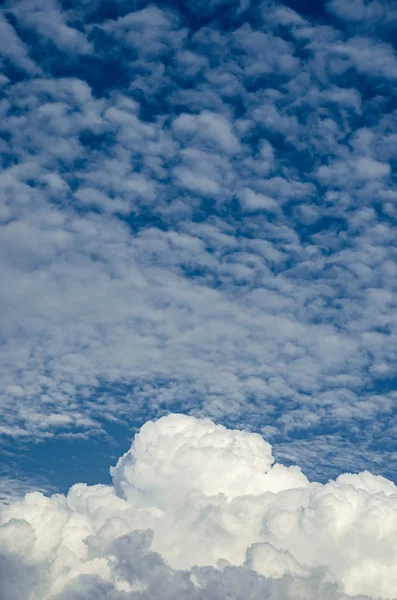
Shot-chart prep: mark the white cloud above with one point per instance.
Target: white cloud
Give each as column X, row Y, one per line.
column 251, row 200
column 370, row 13
column 151, row 30
column 47, row 18
column 367, row 56
column 13, row 48
column 209, row 128
column 195, row 496
column 203, row 172
column 371, row 169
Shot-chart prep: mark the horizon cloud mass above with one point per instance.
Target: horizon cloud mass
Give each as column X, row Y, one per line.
column 200, row 511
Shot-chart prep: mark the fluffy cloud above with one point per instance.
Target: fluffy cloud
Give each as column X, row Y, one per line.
column 195, row 510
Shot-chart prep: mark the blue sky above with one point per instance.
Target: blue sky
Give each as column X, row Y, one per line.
column 198, row 215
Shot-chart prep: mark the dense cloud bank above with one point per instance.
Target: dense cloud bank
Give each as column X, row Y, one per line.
column 201, row 512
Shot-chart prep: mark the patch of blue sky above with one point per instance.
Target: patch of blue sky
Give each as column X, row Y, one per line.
column 70, row 457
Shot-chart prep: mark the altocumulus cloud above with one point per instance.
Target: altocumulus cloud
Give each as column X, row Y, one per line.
column 198, row 214
column 202, row 512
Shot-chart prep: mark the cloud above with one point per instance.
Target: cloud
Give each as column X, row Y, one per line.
column 152, row 30
column 50, row 22
column 367, row 14
column 209, row 128
column 198, row 215
column 13, row 48
column 368, row 57
column 197, row 510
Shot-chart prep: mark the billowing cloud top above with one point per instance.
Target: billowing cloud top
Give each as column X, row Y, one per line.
column 199, row 511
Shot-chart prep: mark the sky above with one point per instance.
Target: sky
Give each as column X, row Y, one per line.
column 198, row 218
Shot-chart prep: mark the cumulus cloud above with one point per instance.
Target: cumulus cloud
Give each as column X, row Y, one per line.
column 199, row 511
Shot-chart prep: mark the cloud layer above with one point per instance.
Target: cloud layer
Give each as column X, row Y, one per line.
column 198, row 214
column 200, row 511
